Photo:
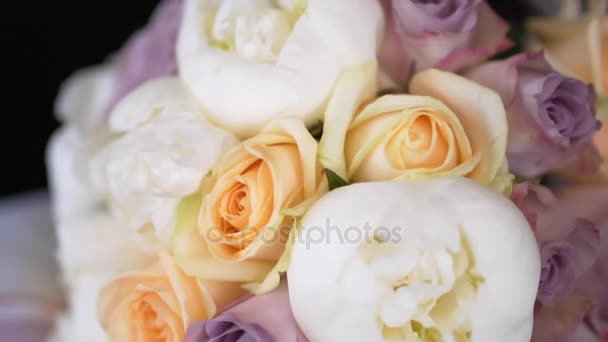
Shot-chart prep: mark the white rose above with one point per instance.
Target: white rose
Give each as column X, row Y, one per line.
column 438, row 260
column 165, row 149
column 248, row 61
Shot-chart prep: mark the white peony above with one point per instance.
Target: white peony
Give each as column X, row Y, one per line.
column 164, row 150
column 84, row 98
column 438, row 260
column 71, row 192
column 93, row 247
column 82, row 106
column 248, row 61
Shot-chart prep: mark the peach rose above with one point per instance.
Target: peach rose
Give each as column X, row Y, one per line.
column 576, row 47
column 447, row 126
column 160, row 303
column 247, row 206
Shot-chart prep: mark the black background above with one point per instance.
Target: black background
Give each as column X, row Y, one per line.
column 42, row 43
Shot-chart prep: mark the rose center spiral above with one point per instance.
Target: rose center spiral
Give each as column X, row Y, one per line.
column 418, row 143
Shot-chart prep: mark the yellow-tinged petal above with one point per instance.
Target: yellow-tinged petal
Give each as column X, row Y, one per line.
column 503, row 182
column 480, row 111
column 353, row 88
column 192, row 254
column 296, row 130
column 273, row 278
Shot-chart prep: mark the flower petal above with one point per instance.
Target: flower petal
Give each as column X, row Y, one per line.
column 480, row 111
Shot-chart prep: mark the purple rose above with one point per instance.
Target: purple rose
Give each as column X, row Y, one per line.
column 263, row 318
column 150, row 52
column 572, row 232
column 591, row 202
column 568, row 243
column 446, row 34
column 417, row 17
column 551, row 117
column 563, row 261
column 595, row 283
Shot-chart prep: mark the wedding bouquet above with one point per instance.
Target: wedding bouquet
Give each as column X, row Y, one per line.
column 336, row 170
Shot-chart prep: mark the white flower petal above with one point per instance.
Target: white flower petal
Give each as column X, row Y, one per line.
column 502, row 248
column 327, row 38
column 84, row 97
column 71, row 192
column 166, row 149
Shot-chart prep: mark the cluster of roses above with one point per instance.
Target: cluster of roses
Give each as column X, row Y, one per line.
column 190, row 166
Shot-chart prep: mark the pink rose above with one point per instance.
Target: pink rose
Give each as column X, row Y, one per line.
column 446, row 34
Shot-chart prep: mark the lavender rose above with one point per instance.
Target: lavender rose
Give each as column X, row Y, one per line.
column 150, row 52
column 568, row 243
column 563, row 261
column 445, row 34
column 551, row 117
column 566, row 228
column 591, row 202
column 423, row 16
column 263, row 318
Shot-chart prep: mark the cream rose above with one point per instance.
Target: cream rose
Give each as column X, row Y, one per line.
column 436, row 260
column 164, row 149
column 447, row 126
column 577, row 47
column 278, row 58
column 158, row 304
column 247, row 205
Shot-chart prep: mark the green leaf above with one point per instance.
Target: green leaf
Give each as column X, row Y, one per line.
column 334, row 180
